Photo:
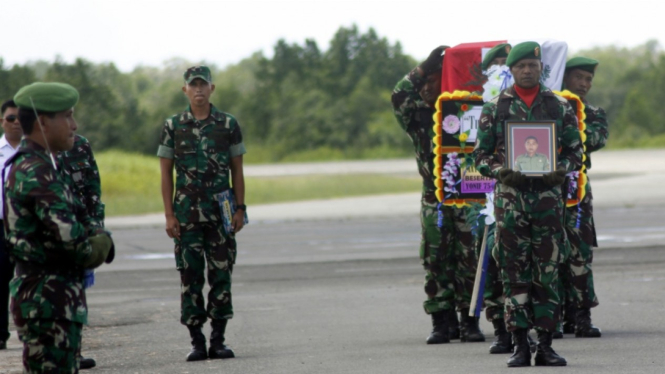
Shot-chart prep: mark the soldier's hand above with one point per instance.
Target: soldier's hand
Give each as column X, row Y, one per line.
column 554, row 178
column 511, row 178
column 101, row 246
column 238, row 221
column 172, row 227
column 433, row 62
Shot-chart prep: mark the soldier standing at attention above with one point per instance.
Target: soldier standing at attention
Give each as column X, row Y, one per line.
column 9, row 142
column 51, row 239
column 531, row 160
column 202, row 143
column 528, row 211
column 580, row 229
column 80, row 167
column 447, row 253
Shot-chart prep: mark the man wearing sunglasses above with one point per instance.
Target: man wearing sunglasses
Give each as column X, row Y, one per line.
column 9, row 142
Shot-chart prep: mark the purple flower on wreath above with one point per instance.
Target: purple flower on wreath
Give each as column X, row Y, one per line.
column 572, row 184
column 449, row 172
column 450, row 124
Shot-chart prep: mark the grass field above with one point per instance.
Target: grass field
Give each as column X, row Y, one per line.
column 131, row 185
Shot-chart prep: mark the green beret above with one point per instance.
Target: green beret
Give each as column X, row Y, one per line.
column 522, row 51
column 47, row 97
column 582, row 63
column 194, row 72
column 499, row 50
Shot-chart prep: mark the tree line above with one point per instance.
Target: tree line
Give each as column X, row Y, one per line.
column 307, row 103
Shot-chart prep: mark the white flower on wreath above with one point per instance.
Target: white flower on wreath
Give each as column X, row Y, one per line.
column 498, row 78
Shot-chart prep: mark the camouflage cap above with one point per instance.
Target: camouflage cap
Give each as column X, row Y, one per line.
column 522, row 51
column 582, row 63
column 499, row 50
column 201, row 71
column 47, row 97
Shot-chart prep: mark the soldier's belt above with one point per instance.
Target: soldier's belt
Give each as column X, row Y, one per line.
column 29, row 268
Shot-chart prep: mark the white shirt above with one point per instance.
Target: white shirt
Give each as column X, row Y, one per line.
column 6, row 151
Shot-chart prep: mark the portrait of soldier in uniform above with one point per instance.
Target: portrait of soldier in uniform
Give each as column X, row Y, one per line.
column 532, row 160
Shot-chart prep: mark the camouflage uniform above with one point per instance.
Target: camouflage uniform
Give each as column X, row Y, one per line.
column 578, row 277
column 493, row 299
column 537, row 162
column 446, row 253
column 46, row 228
column 529, row 218
column 202, row 151
column 493, row 296
column 80, row 167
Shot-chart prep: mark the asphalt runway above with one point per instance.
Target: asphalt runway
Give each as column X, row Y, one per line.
column 345, row 296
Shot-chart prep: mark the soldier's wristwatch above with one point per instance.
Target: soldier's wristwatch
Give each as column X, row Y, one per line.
column 242, row 207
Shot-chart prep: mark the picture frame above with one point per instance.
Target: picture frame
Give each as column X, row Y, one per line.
column 531, row 147
column 456, row 179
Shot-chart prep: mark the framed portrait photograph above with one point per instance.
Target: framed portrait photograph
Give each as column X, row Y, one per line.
column 531, row 147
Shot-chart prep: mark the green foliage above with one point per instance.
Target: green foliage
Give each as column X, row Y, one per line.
column 630, row 85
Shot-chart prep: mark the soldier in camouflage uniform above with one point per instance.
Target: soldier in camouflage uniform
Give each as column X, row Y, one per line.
column 202, row 143
column 447, row 253
column 528, row 210
column 51, row 238
column 577, row 277
column 80, row 167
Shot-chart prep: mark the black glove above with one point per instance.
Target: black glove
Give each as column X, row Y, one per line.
column 511, row 178
column 434, row 61
column 111, row 255
column 554, row 178
column 101, row 246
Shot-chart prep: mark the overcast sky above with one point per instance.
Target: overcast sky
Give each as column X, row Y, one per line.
column 148, row 32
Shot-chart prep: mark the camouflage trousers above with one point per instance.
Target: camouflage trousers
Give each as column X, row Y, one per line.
column 448, row 256
column 528, row 254
column 493, row 299
column 200, row 244
column 50, row 346
column 576, row 274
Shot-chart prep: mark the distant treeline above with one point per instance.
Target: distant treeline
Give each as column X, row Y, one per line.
column 305, row 103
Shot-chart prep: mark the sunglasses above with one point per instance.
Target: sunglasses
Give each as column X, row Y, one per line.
column 11, row 118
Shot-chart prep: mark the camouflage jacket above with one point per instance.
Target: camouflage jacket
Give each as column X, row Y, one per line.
column 80, row 168
column 45, row 226
column 202, row 152
column 597, row 131
column 415, row 117
column 490, row 150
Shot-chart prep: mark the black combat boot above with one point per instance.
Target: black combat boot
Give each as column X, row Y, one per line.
column 583, row 326
column 453, row 325
column 470, row 331
column 545, row 355
column 569, row 316
column 198, row 351
column 87, row 363
column 217, row 347
column 522, row 355
column 503, row 343
column 440, row 332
